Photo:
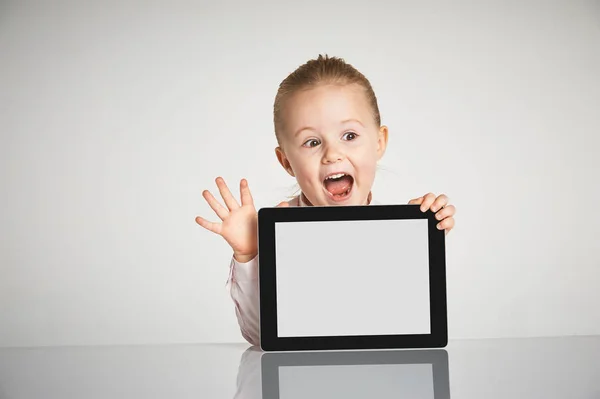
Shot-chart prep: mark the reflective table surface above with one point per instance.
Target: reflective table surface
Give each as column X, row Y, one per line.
column 496, row 368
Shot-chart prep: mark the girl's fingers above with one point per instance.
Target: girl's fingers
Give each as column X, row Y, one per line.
column 446, row 224
column 215, row 205
column 214, row 227
column 439, row 202
column 445, row 212
column 416, row 201
column 245, row 193
column 427, row 201
column 282, row 204
column 226, row 194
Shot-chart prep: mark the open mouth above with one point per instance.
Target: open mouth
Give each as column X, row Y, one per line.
column 338, row 186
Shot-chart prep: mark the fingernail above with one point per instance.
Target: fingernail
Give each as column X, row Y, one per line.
column 439, row 226
column 433, row 209
column 438, row 216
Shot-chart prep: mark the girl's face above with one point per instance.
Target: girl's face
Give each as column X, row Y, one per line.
column 331, row 144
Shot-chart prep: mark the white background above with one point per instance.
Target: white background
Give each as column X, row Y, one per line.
column 358, row 277
column 114, row 116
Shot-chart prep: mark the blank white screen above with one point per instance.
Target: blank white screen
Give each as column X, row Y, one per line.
column 413, row 381
column 352, row 278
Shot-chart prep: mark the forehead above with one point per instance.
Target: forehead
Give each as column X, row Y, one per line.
column 327, row 105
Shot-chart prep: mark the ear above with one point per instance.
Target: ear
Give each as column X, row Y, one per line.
column 382, row 140
column 284, row 161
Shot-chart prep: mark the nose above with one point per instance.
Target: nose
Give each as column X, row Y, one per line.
column 332, row 154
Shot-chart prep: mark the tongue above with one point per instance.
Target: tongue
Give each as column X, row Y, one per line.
column 339, row 186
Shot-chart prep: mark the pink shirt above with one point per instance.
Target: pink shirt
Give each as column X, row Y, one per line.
column 243, row 288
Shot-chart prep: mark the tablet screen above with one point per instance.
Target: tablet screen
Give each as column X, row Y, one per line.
column 359, row 277
column 357, row 381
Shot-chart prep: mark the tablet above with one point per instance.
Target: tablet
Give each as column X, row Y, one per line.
column 351, row 277
column 416, row 374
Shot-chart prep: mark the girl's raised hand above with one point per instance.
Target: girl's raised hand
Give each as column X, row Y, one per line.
column 439, row 205
column 239, row 222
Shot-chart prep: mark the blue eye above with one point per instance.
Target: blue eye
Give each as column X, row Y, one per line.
column 354, row 135
column 311, row 143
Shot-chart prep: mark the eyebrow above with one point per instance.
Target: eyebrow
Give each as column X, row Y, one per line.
column 304, row 128
column 314, row 130
column 353, row 120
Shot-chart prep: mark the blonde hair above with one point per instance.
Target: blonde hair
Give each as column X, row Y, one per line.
column 323, row 70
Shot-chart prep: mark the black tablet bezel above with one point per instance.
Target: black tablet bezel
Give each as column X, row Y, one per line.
column 269, row 341
column 438, row 358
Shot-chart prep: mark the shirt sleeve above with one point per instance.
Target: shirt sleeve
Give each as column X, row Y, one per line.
column 243, row 288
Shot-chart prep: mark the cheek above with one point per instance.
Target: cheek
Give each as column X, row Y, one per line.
column 367, row 171
column 305, row 169
column 367, row 158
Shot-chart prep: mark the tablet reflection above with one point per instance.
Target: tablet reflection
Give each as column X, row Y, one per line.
column 416, row 374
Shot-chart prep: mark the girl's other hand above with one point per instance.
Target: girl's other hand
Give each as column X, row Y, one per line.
column 239, row 222
column 439, row 205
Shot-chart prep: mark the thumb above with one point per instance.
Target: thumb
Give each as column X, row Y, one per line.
column 283, row 204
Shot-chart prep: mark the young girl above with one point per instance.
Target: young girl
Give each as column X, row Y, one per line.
column 330, row 138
